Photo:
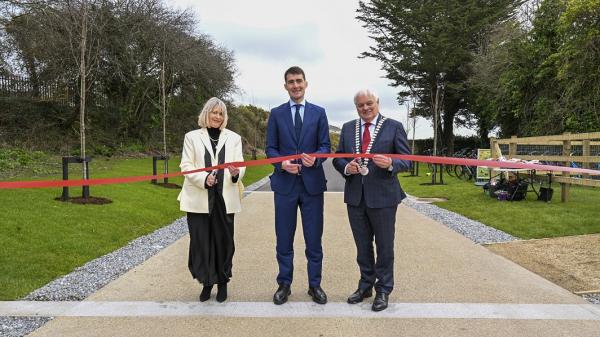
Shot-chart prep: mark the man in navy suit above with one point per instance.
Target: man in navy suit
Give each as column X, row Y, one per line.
column 372, row 194
column 298, row 127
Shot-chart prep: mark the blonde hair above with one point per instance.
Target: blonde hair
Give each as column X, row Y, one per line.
column 368, row 93
column 210, row 105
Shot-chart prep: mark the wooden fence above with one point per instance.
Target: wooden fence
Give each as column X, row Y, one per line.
column 14, row 86
column 579, row 150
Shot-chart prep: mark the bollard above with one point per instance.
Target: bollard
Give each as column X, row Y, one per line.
column 85, row 192
column 154, row 169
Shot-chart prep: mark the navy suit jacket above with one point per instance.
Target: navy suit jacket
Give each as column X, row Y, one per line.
column 281, row 141
column 381, row 186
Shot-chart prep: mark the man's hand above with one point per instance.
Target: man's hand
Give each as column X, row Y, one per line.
column 211, row 180
column 353, row 167
column 307, row 160
column 382, row 161
column 287, row 166
column 234, row 171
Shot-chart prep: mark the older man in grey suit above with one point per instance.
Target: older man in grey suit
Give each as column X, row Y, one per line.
column 372, row 194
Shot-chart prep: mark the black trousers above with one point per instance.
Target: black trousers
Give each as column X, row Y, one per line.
column 379, row 224
column 211, row 245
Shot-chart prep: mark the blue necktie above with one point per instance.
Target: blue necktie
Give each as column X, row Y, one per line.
column 297, row 122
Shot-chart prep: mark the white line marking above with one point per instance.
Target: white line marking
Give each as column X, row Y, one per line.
column 302, row 309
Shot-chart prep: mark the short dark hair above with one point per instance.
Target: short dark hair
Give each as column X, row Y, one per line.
column 294, row 70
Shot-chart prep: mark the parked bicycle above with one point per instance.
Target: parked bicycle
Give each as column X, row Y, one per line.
column 466, row 172
column 462, row 153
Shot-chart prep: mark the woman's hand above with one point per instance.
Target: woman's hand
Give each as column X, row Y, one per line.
column 234, row 171
column 211, row 179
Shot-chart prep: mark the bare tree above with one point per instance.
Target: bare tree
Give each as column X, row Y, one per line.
column 83, row 27
column 74, row 25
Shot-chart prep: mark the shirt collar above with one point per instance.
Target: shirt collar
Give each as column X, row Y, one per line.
column 292, row 103
column 373, row 122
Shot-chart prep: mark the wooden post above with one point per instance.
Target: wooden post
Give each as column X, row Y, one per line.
column 586, row 152
column 494, row 153
column 565, row 187
column 512, row 147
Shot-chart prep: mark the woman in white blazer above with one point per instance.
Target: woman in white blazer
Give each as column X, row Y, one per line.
column 211, row 198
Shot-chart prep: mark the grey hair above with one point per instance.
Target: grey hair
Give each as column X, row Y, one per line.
column 210, row 105
column 366, row 92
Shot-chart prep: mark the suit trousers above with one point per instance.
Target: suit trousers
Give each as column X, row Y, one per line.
column 311, row 211
column 379, row 224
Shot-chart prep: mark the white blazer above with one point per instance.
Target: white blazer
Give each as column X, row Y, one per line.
column 193, row 196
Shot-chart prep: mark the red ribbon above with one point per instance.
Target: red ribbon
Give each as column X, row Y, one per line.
column 424, row 159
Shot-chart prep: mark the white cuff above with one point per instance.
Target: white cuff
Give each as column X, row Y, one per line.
column 346, row 169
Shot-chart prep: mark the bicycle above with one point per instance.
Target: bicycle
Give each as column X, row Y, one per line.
column 462, row 153
column 466, row 172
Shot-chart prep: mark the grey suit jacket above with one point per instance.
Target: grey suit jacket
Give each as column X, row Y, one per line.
column 380, row 187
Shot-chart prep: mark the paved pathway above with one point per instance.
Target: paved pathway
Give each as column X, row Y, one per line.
column 445, row 286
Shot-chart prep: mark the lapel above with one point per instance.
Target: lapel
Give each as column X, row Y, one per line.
column 206, row 142
column 222, row 139
column 354, row 135
column 378, row 134
column 305, row 121
column 287, row 117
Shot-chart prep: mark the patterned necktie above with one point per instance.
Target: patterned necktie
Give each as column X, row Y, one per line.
column 297, row 122
column 366, row 139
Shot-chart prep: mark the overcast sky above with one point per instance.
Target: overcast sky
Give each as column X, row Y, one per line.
column 321, row 36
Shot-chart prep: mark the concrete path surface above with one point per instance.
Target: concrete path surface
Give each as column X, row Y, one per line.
column 445, row 286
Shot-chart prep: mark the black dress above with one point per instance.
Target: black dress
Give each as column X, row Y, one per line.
column 211, row 234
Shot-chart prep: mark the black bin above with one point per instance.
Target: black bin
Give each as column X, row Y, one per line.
column 545, row 194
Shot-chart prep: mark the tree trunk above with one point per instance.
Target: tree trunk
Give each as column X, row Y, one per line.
column 82, row 78
column 448, row 132
column 483, row 129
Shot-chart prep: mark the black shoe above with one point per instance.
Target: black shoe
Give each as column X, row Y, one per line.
column 380, row 302
column 205, row 294
column 359, row 295
column 282, row 293
column 317, row 294
column 221, row 292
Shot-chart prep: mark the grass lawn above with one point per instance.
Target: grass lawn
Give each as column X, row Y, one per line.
column 525, row 219
column 43, row 238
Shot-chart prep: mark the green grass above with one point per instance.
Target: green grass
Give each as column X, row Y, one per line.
column 43, row 239
column 525, row 219
column 255, row 173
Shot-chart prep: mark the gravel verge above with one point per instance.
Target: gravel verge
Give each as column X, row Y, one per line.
column 20, row 326
column 593, row 298
column 471, row 229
